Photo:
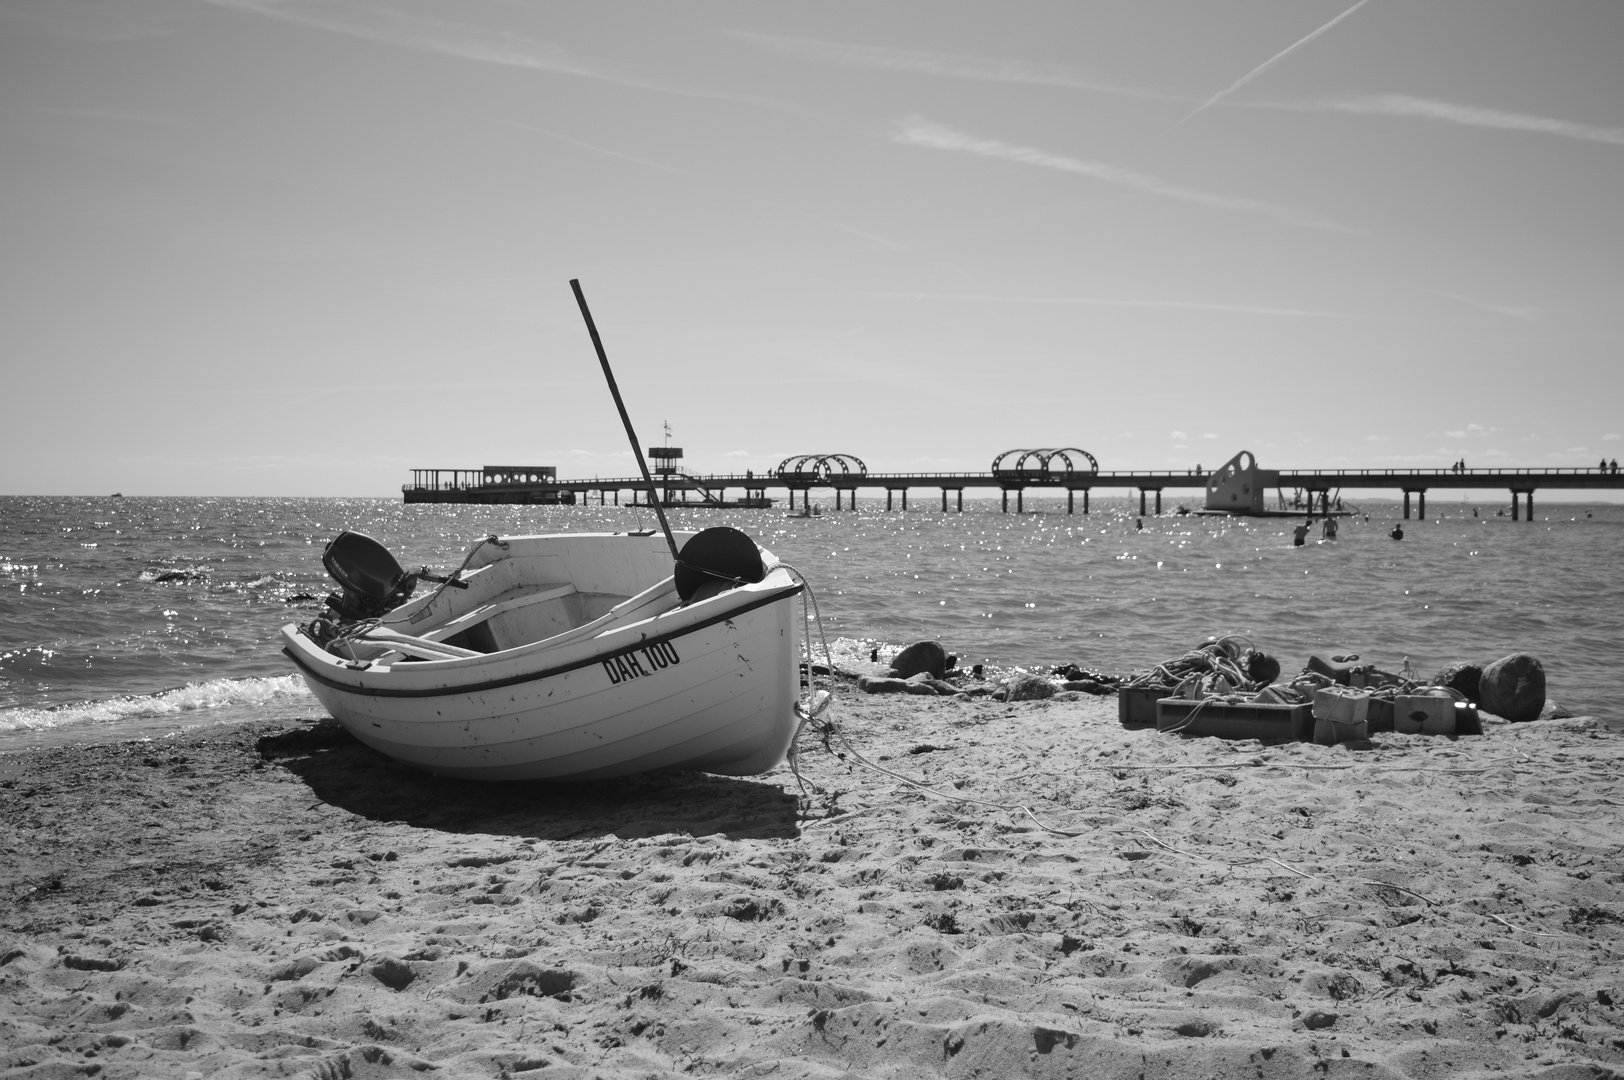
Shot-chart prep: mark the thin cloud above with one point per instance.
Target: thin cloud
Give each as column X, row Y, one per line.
column 1470, row 115
column 921, row 132
column 616, row 154
column 942, row 65
column 1522, row 313
column 1407, row 107
column 700, row 180
column 1104, row 301
column 462, row 40
column 1270, row 62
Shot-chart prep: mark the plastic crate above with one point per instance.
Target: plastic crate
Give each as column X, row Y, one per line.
column 1269, row 723
column 1424, row 714
column 1340, row 715
column 1136, row 705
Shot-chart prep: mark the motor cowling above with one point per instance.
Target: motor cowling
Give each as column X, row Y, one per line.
column 372, row 579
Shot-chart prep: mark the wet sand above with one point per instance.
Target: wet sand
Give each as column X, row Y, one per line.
column 277, row 900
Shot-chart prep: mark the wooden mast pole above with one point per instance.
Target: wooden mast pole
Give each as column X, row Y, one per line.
column 637, row 447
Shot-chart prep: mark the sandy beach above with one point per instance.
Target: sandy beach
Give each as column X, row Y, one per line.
column 276, row 900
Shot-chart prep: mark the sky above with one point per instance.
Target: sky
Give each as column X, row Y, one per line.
column 302, row 247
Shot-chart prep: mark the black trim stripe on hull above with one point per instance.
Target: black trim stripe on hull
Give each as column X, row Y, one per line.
column 533, row 676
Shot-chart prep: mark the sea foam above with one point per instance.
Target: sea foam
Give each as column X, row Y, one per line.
column 193, row 697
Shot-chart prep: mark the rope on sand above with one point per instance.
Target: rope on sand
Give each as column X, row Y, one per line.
column 831, row 730
column 1372, row 882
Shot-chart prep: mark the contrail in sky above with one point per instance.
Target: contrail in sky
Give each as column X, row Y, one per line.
column 1271, row 61
column 1101, row 301
column 1475, row 116
column 1511, row 311
column 704, row 182
column 465, row 41
column 918, row 131
column 944, row 65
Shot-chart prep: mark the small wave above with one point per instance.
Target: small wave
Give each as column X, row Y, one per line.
column 214, row 694
column 166, row 574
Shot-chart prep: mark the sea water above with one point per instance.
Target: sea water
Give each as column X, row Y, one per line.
column 141, row 616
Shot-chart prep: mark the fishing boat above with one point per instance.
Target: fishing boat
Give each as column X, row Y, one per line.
column 572, row 656
column 569, row 656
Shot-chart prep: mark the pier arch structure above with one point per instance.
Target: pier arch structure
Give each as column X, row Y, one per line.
column 1016, row 470
column 843, row 472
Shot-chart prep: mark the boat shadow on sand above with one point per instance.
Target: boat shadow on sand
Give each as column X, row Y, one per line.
column 347, row 774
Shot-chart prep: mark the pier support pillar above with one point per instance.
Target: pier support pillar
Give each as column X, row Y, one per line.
column 904, row 499
column 888, row 498
column 1071, row 497
column 1085, row 502
column 1530, row 507
column 1407, row 503
column 1020, row 501
column 944, row 500
column 1158, row 502
column 1141, row 502
column 837, row 498
column 1514, row 494
column 1421, row 508
column 1006, row 500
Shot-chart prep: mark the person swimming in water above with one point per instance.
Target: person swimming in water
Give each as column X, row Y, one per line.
column 1299, row 533
column 1397, row 533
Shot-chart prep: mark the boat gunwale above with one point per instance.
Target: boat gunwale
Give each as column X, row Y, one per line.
column 336, row 663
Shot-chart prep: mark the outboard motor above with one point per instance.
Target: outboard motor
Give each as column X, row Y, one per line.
column 372, row 579
column 716, row 560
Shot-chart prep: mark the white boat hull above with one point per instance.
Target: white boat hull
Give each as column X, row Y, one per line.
column 710, row 685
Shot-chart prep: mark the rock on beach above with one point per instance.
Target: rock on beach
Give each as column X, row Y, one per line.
column 1514, row 687
column 1467, row 678
column 922, row 657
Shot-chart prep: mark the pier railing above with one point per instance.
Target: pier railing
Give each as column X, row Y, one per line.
column 1318, row 483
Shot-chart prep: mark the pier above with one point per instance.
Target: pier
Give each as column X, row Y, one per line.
column 1239, row 487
